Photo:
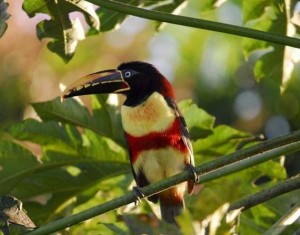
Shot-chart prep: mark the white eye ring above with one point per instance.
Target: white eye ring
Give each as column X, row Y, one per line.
column 127, row 74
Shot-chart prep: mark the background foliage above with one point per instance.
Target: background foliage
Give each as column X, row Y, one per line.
column 62, row 158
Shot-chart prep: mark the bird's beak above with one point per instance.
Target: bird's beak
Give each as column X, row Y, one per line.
column 107, row 81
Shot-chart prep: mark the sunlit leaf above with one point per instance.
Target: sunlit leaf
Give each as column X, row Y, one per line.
column 199, row 122
column 65, row 32
column 102, row 148
column 16, row 163
column 224, row 140
column 66, row 36
column 268, row 16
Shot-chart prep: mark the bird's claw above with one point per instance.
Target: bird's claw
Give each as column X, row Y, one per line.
column 194, row 173
column 138, row 194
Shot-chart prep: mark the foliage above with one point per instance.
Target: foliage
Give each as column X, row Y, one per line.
column 82, row 165
column 73, row 156
column 65, row 32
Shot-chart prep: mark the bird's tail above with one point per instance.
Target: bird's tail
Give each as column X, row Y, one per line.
column 171, row 207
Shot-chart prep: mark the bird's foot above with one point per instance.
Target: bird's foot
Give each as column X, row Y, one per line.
column 194, row 173
column 138, row 194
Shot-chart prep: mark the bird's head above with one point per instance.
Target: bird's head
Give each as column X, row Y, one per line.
column 137, row 80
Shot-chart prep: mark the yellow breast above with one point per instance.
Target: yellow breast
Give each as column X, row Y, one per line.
column 153, row 115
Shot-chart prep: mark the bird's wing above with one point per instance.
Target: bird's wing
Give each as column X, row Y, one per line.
column 185, row 137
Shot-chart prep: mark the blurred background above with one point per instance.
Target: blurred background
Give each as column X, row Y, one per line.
column 207, row 67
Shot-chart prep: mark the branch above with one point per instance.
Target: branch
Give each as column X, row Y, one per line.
column 198, row 23
column 285, row 221
column 267, row 194
column 212, row 170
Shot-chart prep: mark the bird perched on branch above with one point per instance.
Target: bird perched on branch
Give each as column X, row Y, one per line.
column 155, row 130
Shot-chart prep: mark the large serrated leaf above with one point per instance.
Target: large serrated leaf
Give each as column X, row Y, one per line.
column 65, row 177
column 64, row 31
column 66, row 35
column 3, row 17
column 71, row 112
column 61, row 176
column 50, row 135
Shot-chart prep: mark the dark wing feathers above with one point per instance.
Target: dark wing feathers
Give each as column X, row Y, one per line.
column 184, row 130
column 186, row 139
column 140, row 178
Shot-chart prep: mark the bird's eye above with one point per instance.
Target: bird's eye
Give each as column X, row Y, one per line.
column 127, row 74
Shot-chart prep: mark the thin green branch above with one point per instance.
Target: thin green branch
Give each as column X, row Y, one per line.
column 198, row 23
column 267, row 194
column 253, row 155
column 285, row 221
column 248, row 152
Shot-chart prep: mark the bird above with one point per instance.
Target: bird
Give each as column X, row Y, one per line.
column 156, row 132
column 13, row 219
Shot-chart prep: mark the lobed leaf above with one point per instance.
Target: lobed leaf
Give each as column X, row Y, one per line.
column 70, row 112
column 65, row 32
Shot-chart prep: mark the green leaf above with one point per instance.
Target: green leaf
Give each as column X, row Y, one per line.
column 65, row 32
column 62, row 177
column 110, row 117
column 219, row 221
column 174, row 7
column 105, row 119
column 168, row 6
column 224, row 140
column 55, row 136
column 111, row 19
column 69, row 111
column 268, row 16
column 73, row 161
column 101, row 193
column 88, row 10
column 3, row 17
column 102, row 148
column 101, row 113
column 199, row 122
column 16, row 163
column 64, row 188
column 66, row 36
